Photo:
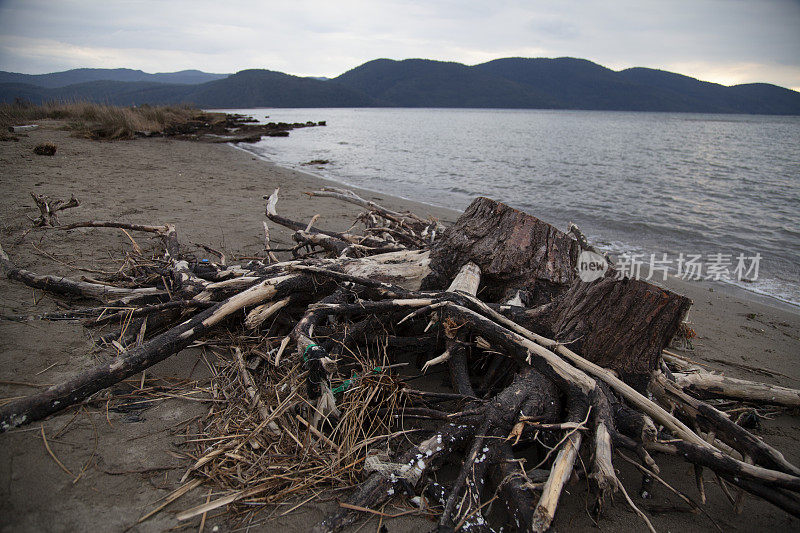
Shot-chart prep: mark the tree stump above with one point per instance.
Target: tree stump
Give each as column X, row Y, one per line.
column 620, row 324
column 515, row 251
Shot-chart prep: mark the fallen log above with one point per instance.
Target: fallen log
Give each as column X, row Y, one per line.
column 712, row 420
column 719, row 386
column 82, row 386
column 79, row 289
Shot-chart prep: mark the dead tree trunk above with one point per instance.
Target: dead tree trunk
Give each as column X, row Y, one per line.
column 515, row 252
column 620, row 324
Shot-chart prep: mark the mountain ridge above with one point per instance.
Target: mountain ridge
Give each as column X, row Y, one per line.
column 82, row 75
column 514, row 82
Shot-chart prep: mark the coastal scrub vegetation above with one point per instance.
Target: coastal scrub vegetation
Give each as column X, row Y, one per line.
column 100, row 121
column 110, row 122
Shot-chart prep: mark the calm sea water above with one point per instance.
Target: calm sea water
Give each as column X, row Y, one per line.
column 634, row 182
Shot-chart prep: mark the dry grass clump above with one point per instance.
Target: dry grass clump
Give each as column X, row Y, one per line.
column 99, row 121
column 261, row 444
column 45, row 149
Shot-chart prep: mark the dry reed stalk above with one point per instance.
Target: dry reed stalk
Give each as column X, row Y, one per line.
column 235, row 452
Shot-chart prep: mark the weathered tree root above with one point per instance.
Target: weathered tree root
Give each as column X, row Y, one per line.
column 48, row 209
column 565, row 381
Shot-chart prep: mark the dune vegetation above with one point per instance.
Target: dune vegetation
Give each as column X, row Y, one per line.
column 99, row 121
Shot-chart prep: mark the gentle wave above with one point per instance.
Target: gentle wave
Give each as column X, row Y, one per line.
column 646, row 182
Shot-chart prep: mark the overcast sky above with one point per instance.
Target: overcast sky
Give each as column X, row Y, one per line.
column 725, row 41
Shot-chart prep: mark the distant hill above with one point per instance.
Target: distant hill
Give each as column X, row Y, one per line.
column 527, row 83
column 425, row 83
column 266, row 88
column 248, row 88
column 82, row 75
column 581, row 84
column 563, row 83
column 759, row 98
column 105, row 92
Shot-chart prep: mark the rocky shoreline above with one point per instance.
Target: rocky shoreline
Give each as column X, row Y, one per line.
column 228, row 128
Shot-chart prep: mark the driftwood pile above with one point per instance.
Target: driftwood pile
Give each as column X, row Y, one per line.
column 317, row 383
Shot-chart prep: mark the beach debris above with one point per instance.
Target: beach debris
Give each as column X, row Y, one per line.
column 701, row 383
column 584, row 243
column 49, row 208
column 683, row 338
column 23, row 129
column 315, row 354
column 45, row 149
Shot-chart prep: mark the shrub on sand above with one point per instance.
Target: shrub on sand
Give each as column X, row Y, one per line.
column 99, row 121
column 45, row 149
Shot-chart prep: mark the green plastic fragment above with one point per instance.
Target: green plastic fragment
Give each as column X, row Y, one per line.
column 346, row 384
column 305, row 352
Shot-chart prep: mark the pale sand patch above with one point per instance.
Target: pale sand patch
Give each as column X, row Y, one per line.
column 213, row 194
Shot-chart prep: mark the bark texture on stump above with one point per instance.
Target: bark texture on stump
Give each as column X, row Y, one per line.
column 514, row 250
column 620, row 324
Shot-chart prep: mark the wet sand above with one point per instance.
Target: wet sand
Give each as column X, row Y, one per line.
column 214, row 195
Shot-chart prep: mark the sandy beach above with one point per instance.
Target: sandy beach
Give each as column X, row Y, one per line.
column 126, row 462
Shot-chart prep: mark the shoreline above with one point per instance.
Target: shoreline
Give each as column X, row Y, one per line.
column 737, row 302
column 730, row 288
column 616, row 232
column 214, row 196
column 362, row 191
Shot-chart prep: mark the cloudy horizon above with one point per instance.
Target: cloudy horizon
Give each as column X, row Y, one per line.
column 722, row 41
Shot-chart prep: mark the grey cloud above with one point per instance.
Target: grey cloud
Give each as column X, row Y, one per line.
column 310, row 37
